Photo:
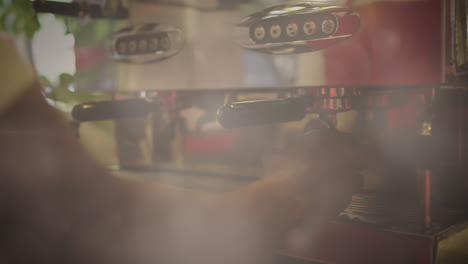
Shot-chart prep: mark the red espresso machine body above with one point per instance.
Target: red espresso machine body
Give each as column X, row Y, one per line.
column 398, row 65
column 404, row 45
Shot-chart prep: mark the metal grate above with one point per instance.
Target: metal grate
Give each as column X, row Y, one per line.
column 399, row 213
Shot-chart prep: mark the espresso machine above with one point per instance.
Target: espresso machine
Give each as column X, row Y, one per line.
column 203, row 89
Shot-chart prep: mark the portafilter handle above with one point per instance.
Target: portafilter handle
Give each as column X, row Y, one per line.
column 257, row 112
column 113, row 110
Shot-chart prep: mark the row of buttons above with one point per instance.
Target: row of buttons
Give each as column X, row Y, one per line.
column 143, row 44
column 293, row 29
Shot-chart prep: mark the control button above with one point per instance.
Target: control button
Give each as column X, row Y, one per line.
column 132, row 46
column 122, row 47
column 259, row 32
column 328, row 26
column 142, row 45
column 291, row 29
column 153, row 44
column 165, row 43
column 275, row 31
column 309, row 27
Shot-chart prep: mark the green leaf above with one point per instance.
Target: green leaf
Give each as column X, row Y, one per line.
column 31, row 28
column 18, row 17
column 3, row 17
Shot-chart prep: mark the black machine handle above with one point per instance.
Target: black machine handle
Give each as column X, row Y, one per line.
column 75, row 9
column 257, row 112
column 112, row 110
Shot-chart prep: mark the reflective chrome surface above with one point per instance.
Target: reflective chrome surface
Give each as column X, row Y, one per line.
column 146, row 43
column 297, row 27
column 385, row 50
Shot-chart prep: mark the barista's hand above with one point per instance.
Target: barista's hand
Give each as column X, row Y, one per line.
column 320, row 169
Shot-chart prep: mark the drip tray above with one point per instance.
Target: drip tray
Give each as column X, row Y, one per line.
column 400, row 213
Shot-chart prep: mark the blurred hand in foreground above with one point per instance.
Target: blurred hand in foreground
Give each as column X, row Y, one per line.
column 321, row 170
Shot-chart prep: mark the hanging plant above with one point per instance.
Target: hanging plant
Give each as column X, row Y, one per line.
column 18, row 16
